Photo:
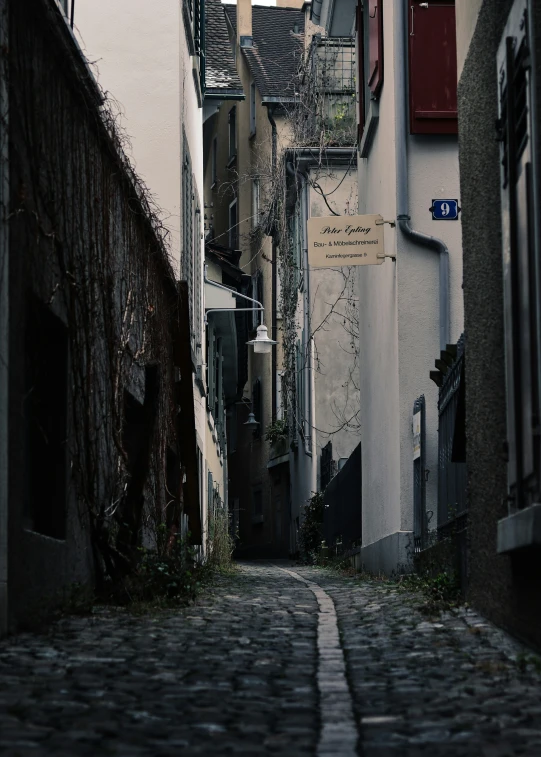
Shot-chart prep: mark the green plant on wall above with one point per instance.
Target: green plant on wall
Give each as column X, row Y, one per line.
column 277, row 431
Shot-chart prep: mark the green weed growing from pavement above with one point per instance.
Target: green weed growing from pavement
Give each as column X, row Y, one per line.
column 440, row 592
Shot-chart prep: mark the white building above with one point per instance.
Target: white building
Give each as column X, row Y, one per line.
column 149, row 58
column 410, row 306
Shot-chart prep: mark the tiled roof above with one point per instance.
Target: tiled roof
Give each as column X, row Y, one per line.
column 278, row 35
column 221, row 75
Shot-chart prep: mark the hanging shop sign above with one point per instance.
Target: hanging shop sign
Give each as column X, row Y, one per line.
column 345, row 240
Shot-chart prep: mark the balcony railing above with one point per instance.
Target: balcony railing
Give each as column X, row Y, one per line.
column 327, row 113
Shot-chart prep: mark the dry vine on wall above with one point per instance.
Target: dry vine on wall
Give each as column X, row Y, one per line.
column 94, row 251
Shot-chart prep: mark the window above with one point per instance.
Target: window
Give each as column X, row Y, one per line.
column 233, row 225
column 257, row 405
column 190, row 229
column 369, row 59
column 375, row 46
column 432, row 68
column 257, row 294
column 295, row 239
column 45, row 420
column 197, row 304
column 252, row 109
column 255, row 203
column 232, row 132
column 191, row 12
column 521, row 288
column 193, row 17
column 214, row 161
column 279, row 396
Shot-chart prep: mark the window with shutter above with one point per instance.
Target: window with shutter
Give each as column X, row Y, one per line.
column 360, row 69
column 252, row 109
column 375, row 46
column 232, row 132
column 432, row 68
column 521, row 293
column 233, row 225
column 214, row 159
column 187, row 262
column 257, row 405
column 257, row 294
column 197, row 274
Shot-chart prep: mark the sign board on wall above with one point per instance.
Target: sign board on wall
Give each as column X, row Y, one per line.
column 345, row 240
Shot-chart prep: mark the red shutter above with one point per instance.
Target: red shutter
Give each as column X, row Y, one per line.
column 359, row 52
column 432, row 67
column 375, row 45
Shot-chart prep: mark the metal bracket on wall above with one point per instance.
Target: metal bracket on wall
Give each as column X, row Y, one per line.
column 392, row 224
column 381, row 255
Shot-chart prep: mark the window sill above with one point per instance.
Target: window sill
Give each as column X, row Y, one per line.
column 252, row 135
column 370, row 126
column 214, row 184
column 232, row 160
column 520, row 530
column 257, row 519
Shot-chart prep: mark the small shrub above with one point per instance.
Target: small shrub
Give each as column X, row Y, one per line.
column 311, row 530
column 277, row 432
column 441, row 591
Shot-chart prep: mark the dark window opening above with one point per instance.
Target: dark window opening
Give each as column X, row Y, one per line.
column 257, row 406
column 45, row 418
column 232, row 132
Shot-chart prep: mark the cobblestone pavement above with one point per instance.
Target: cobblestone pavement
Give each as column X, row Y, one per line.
column 259, row 667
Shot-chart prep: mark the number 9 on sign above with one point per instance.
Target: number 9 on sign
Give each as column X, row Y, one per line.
column 445, row 210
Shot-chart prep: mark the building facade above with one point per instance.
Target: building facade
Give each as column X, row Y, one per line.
column 99, row 457
column 410, row 306
column 499, row 49
column 151, row 58
column 242, row 143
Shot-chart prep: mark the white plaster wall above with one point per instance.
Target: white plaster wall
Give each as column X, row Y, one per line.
column 135, row 50
column 467, row 12
column 399, row 314
column 336, row 364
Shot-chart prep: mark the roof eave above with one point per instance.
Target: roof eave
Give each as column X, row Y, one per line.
column 224, row 94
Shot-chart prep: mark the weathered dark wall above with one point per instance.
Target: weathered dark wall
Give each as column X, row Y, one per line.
column 505, row 589
column 85, row 245
column 343, row 503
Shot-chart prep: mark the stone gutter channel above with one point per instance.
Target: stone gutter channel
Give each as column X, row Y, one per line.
column 338, row 733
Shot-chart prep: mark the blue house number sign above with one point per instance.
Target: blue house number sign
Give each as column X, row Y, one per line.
column 445, row 210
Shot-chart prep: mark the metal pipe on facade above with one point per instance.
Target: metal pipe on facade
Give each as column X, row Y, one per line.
column 402, row 194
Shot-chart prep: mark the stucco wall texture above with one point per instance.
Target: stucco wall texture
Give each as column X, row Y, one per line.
column 505, row 589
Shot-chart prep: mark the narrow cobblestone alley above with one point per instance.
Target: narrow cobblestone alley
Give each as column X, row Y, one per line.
column 258, row 668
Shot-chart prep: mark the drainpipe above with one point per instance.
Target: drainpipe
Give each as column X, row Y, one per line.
column 402, row 194
column 274, row 268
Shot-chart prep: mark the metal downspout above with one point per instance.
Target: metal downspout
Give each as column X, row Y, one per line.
column 402, row 194
column 274, row 269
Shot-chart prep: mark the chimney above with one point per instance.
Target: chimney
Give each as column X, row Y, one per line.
column 244, row 23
